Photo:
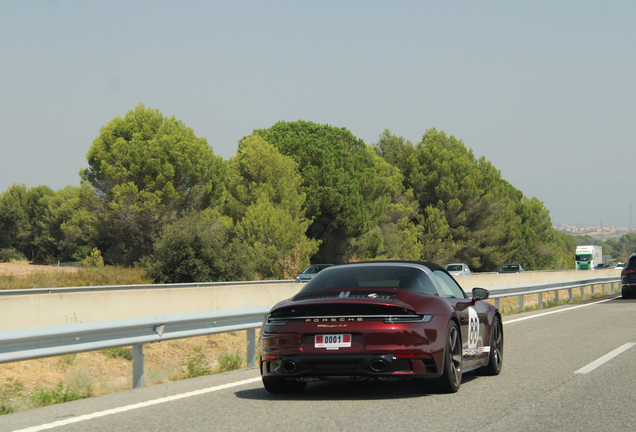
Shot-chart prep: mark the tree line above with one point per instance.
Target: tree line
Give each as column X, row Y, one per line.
column 155, row 195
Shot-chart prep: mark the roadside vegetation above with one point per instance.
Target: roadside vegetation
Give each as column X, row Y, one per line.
column 35, row 383
column 155, row 196
column 91, row 276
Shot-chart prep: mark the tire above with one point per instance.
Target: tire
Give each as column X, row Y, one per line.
column 495, row 360
column 283, row 386
column 451, row 377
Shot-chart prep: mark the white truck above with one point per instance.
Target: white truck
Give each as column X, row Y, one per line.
column 588, row 257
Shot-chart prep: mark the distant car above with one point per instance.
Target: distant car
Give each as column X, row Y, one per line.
column 628, row 278
column 458, row 269
column 511, row 268
column 602, row 266
column 381, row 320
column 620, row 265
column 310, row 272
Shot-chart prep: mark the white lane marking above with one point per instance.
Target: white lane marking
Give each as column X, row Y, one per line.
column 604, row 359
column 558, row 311
column 136, row 406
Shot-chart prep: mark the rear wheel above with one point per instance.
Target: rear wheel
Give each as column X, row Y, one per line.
column 282, row 386
column 495, row 361
column 451, row 377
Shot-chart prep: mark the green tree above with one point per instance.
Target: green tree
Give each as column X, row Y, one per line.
column 94, row 259
column 148, row 170
column 263, row 198
column 21, row 209
column 344, row 192
column 67, row 226
column 467, row 211
column 200, row 247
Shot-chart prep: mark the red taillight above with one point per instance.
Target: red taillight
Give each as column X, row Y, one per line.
column 270, row 357
column 625, row 271
column 404, row 355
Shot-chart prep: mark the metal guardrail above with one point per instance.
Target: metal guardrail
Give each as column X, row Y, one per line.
column 25, row 344
column 540, row 288
column 31, row 343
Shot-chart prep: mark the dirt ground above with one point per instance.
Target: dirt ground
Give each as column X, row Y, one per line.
column 22, row 268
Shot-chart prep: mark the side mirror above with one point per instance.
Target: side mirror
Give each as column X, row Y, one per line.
column 480, row 294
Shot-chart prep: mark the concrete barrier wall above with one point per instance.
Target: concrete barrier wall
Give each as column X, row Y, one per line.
column 486, row 280
column 43, row 310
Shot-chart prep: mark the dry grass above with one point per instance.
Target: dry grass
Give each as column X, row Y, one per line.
column 24, row 268
column 23, row 275
column 163, row 362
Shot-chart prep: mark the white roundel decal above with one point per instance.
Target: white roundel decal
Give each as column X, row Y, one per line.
column 473, row 328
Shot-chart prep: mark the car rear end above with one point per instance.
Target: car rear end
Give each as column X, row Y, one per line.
column 370, row 334
column 628, row 278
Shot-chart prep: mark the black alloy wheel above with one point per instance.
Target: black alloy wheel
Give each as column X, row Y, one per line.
column 451, row 377
column 495, row 360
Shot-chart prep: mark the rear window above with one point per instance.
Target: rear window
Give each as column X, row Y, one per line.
column 377, row 276
column 455, row 267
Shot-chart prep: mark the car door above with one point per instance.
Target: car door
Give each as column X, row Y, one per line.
column 473, row 321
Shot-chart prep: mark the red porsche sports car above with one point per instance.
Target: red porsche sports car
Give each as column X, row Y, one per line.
column 380, row 320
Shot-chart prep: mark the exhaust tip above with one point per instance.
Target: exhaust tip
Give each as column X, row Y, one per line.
column 288, row 366
column 378, row 365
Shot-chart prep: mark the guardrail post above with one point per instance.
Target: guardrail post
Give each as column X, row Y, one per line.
column 582, row 293
column 540, row 300
column 603, row 287
column 138, row 366
column 592, row 287
column 570, row 295
column 497, row 302
column 521, row 303
column 251, row 348
column 556, row 296
column 612, row 288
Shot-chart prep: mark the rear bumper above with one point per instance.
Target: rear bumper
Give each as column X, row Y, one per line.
column 629, row 288
column 348, row 366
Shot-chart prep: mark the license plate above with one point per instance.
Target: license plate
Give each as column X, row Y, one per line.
column 333, row 341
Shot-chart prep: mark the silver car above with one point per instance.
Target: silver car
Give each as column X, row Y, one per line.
column 458, row 269
column 310, row 272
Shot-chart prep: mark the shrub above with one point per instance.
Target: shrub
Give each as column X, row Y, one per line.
column 230, row 361
column 122, row 352
column 11, row 254
column 201, row 247
column 42, row 397
column 94, row 259
column 69, row 359
column 196, row 364
column 10, row 393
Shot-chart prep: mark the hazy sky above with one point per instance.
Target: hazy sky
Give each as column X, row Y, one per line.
column 545, row 90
